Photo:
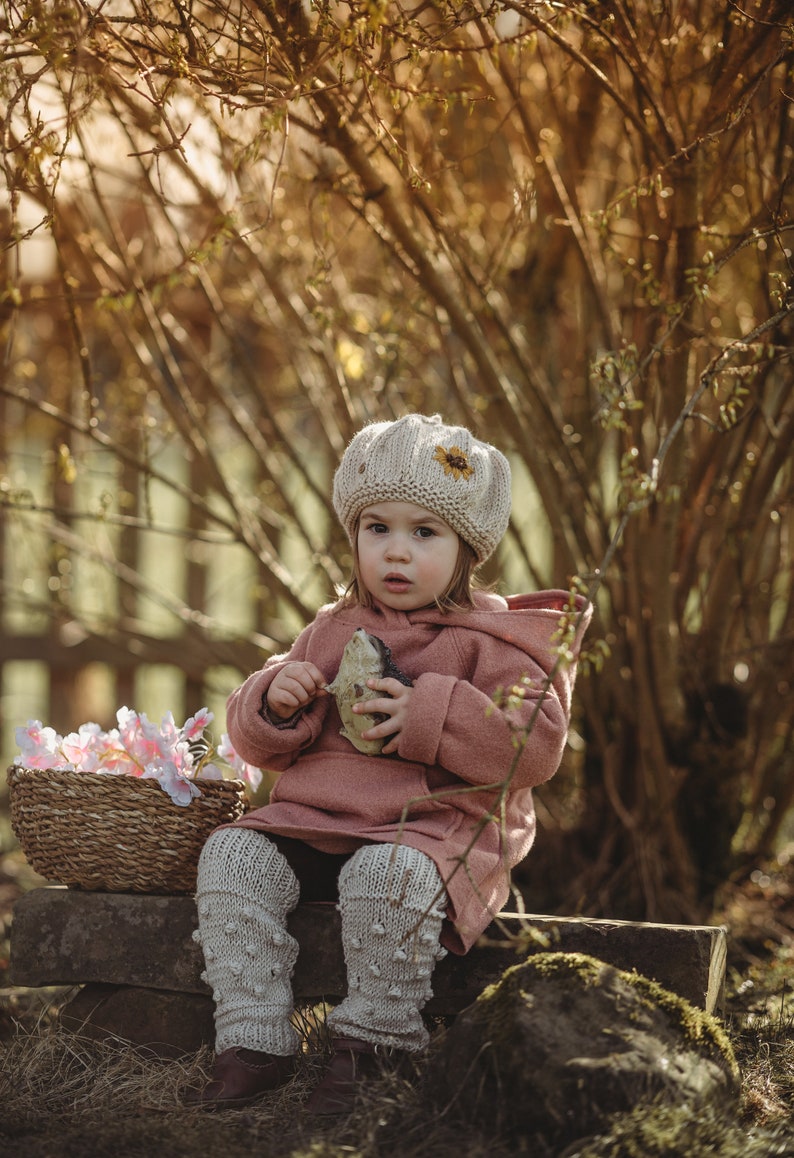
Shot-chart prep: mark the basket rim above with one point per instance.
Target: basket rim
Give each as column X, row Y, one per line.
column 22, row 771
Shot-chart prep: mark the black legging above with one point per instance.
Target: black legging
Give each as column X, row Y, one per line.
column 317, row 872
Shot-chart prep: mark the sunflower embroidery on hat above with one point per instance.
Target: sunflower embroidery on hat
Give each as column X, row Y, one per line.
column 454, row 462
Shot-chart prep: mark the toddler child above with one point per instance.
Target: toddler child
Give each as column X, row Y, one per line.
column 415, row 844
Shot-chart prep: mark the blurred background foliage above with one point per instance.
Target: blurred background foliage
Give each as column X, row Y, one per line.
column 234, row 232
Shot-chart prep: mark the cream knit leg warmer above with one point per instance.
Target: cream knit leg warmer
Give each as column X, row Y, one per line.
column 392, row 903
column 245, row 889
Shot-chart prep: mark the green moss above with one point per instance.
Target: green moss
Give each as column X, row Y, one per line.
column 659, row 1129
column 498, row 1001
column 698, row 1027
column 586, row 971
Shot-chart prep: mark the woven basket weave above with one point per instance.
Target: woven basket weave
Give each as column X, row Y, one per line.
column 115, row 833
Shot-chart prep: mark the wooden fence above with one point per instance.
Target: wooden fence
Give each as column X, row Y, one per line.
column 96, row 614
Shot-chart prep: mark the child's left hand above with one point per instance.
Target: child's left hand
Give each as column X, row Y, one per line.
column 394, row 705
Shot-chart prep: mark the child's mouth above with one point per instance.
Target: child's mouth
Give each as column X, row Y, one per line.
column 396, row 583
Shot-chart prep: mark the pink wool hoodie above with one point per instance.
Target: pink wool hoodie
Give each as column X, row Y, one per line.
column 442, row 792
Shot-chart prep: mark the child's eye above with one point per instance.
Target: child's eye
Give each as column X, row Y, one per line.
column 425, row 532
column 377, row 528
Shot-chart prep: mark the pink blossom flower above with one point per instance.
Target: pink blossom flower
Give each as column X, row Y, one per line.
column 209, row 771
column 193, row 728
column 40, row 747
column 113, row 757
column 83, row 748
column 137, row 747
column 179, row 788
column 168, row 735
column 247, row 772
column 141, row 738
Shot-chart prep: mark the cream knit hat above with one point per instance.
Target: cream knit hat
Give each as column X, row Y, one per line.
column 442, row 468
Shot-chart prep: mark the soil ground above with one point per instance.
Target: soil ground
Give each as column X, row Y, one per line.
column 61, row 1097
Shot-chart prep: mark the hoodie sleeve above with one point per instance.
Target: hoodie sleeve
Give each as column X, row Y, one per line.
column 256, row 736
column 466, row 726
column 453, row 724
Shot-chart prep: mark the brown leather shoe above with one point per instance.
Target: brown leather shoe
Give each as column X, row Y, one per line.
column 239, row 1077
column 353, row 1063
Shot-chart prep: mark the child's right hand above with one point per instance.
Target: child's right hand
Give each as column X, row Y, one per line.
column 293, row 688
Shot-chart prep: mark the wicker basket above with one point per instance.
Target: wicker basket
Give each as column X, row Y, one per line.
column 115, row 833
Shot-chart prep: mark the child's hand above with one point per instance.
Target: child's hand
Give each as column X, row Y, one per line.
column 394, row 705
column 293, row 688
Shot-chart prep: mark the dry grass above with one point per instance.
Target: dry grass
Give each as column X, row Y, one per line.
column 71, row 1098
column 66, row 1097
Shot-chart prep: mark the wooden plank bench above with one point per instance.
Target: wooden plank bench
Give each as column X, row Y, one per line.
column 135, row 958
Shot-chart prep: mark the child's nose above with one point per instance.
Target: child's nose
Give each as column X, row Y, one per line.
column 398, row 548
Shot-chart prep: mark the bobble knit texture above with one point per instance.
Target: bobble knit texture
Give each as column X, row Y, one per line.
column 244, row 890
column 421, row 460
column 392, row 902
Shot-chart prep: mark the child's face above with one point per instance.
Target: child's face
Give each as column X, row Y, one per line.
column 406, row 554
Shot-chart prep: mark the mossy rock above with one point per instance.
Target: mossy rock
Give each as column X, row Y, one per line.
column 562, row 1041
